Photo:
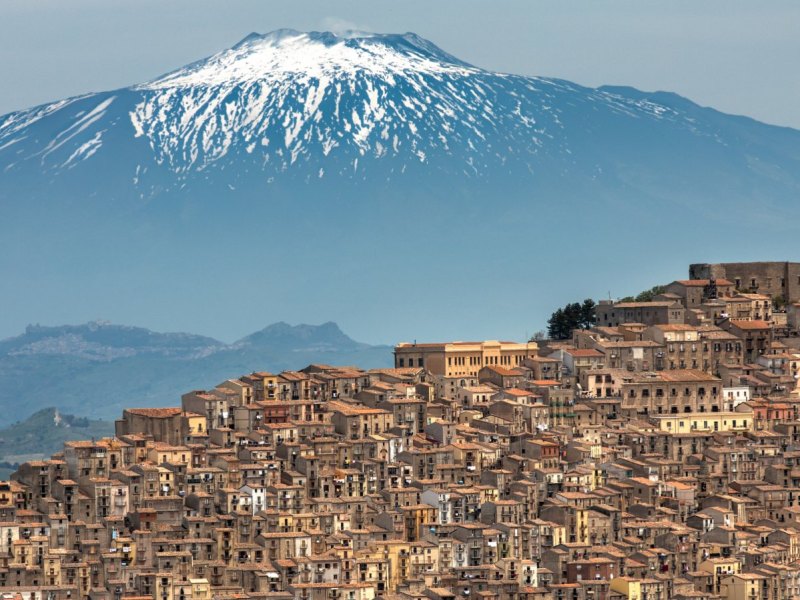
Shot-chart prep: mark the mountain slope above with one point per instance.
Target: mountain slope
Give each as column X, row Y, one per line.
column 44, row 433
column 97, row 369
column 339, row 165
column 294, row 105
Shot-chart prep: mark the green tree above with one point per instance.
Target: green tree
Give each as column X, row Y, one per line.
column 588, row 316
column 572, row 316
column 645, row 296
column 648, row 295
column 555, row 325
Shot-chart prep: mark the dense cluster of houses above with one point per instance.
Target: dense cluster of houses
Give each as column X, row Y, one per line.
column 653, row 456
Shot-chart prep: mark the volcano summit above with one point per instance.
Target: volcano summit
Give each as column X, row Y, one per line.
column 290, row 102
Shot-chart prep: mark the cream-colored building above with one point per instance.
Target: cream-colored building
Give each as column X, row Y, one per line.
column 456, row 364
column 639, row 589
column 704, row 421
column 753, row 307
column 742, row 586
column 455, row 359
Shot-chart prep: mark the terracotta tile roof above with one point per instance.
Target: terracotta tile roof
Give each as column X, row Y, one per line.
column 702, row 282
column 744, row 324
column 353, row 409
column 518, row 392
column 584, row 353
column 156, row 413
column 503, row 371
column 679, row 375
column 676, row 327
column 292, row 376
column 644, row 304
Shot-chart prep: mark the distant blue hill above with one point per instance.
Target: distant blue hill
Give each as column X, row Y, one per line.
column 97, row 369
column 43, row 434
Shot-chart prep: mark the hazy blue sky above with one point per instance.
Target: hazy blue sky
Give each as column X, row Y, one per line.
column 738, row 56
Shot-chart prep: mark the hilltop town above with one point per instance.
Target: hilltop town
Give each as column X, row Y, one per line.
column 652, row 455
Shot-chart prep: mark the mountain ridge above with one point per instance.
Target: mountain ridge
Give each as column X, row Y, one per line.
column 406, row 92
column 97, row 369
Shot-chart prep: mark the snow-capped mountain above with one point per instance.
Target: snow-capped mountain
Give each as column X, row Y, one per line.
column 298, row 170
column 316, row 103
column 291, row 97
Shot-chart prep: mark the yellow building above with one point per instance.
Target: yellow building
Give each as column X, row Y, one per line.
column 719, row 568
column 200, row 589
column 405, row 560
column 355, row 421
column 742, row 586
column 639, row 589
column 581, row 525
column 682, row 423
column 627, row 586
column 415, row 518
column 160, row 453
column 455, row 365
column 462, row 359
column 168, row 425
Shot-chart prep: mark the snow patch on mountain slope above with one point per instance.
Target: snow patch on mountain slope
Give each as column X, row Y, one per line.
column 316, row 55
column 287, row 98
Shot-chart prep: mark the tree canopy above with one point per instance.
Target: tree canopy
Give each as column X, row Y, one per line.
column 572, row 316
column 647, row 295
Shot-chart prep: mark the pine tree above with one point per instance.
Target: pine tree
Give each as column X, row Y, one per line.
column 588, row 316
column 572, row 316
column 555, row 325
